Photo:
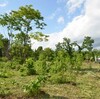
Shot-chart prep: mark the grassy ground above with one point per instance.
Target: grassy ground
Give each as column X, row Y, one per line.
column 87, row 85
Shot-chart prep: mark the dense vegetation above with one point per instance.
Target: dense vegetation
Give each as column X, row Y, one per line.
column 68, row 71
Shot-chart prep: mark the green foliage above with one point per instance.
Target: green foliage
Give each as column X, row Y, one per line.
column 4, row 59
column 30, row 66
column 48, row 53
column 14, row 65
column 23, row 71
column 3, row 74
column 66, row 45
column 1, row 43
column 71, row 76
column 58, row 66
column 59, row 78
column 63, row 77
column 10, row 65
column 39, row 36
column 21, row 21
column 19, row 52
column 87, row 43
column 78, row 61
column 4, row 92
column 80, row 47
column 37, row 52
column 41, row 67
column 34, row 87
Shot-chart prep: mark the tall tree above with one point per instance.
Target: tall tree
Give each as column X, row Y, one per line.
column 25, row 18
column 66, row 45
column 23, row 21
column 4, row 46
column 80, row 47
column 37, row 52
column 7, row 21
column 1, row 44
column 88, row 43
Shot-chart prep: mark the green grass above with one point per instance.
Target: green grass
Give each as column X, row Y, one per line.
column 87, row 85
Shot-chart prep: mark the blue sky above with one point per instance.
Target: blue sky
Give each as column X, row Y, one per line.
column 73, row 19
column 54, row 12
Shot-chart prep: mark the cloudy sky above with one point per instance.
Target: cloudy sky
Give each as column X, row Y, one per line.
column 73, row 19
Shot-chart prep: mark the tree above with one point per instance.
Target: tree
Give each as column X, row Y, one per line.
column 5, row 49
column 88, row 43
column 46, row 54
column 23, row 21
column 80, row 48
column 67, row 46
column 4, row 46
column 58, row 46
column 7, row 21
column 38, row 51
column 1, row 44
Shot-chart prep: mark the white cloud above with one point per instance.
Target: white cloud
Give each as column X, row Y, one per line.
column 3, row 4
column 72, row 5
column 60, row 20
column 82, row 25
column 53, row 15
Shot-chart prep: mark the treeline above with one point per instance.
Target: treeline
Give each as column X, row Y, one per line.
column 66, row 48
column 19, row 25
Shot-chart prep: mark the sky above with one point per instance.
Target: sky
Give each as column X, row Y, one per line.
column 73, row 19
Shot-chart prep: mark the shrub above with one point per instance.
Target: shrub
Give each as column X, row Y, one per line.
column 41, row 67
column 29, row 67
column 13, row 65
column 78, row 61
column 58, row 78
column 34, row 87
column 70, row 76
column 4, row 92
column 63, row 77
column 4, row 59
column 5, row 73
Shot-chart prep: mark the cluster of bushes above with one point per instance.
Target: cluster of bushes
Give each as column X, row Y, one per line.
column 59, row 66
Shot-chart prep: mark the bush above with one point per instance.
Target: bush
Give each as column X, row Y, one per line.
column 63, row 77
column 23, row 70
column 4, row 59
column 41, row 67
column 58, row 78
column 78, row 61
column 28, row 67
column 13, row 65
column 34, row 87
column 70, row 76
column 18, row 60
column 4, row 92
column 4, row 74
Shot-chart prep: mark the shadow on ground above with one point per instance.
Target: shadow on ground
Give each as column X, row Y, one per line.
column 42, row 95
